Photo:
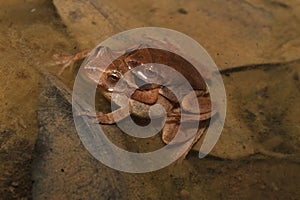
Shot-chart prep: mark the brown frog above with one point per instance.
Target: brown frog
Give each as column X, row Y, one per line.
column 100, row 62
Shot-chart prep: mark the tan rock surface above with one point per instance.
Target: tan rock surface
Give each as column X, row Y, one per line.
column 234, row 32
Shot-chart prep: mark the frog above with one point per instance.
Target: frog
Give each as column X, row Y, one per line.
column 100, row 63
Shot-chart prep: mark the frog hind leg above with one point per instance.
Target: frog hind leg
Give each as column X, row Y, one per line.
column 170, row 130
column 68, row 60
column 101, row 51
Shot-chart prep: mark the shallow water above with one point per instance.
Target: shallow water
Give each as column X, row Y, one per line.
column 30, row 33
column 264, row 118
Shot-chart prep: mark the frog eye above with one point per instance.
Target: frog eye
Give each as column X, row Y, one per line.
column 114, row 76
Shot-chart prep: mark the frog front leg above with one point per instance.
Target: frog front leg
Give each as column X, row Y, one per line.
column 112, row 117
column 133, row 107
column 107, row 118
